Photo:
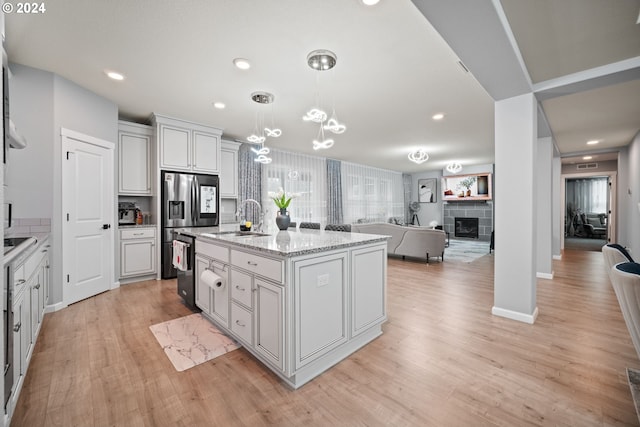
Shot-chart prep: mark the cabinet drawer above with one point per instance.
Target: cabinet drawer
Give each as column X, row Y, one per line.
column 266, row 267
column 137, row 233
column 241, row 290
column 212, row 251
column 241, row 323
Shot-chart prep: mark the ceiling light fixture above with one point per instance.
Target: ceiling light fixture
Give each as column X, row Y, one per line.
column 261, row 132
column 242, row 63
column 587, row 158
column 593, row 142
column 370, row 2
column 438, row 116
column 419, row 156
column 114, row 75
column 219, row 105
column 323, row 60
column 454, row 167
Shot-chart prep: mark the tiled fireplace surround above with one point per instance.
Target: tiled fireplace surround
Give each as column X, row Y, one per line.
column 481, row 210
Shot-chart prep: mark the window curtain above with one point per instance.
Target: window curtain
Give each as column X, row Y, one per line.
column 334, row 190
column 249, row 182
column 371, row 194
column 406, row 180
column 589, row 195
column 301, row 174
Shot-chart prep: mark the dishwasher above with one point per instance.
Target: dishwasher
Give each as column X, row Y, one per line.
column 187, row 279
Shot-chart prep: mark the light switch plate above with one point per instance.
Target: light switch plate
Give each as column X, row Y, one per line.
column 323, row 280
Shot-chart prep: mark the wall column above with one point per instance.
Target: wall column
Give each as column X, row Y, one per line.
column 544, row 202
column 515, row 210
column 557, row 210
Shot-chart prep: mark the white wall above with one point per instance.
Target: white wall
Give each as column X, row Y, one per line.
column 544, row 205
column 30, row 170
column 45, row 103
column 428, row 211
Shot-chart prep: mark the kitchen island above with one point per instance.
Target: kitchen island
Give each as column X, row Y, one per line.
column 299, row 301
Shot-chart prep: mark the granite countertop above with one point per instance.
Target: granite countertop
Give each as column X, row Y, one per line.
column 284, row 243
column 137, row 226
column 27, row 246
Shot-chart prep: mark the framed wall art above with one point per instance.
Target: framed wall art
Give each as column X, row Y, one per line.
column 427, row 191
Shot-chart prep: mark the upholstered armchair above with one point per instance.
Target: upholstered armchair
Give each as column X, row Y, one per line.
column 595, row 225
column 614, row 254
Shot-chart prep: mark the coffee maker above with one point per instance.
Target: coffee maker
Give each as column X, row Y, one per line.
column 127, row 213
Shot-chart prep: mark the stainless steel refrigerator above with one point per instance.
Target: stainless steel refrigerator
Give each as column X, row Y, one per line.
column 188, row 200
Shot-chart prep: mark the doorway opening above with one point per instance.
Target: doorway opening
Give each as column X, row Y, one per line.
column 588, row 207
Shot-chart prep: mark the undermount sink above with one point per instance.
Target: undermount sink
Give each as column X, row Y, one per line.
column 11, row 242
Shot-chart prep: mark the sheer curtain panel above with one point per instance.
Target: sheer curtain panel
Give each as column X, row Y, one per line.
column 298, row 174
column 371, row 194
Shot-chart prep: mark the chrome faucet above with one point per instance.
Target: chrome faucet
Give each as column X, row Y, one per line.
column 260, row 213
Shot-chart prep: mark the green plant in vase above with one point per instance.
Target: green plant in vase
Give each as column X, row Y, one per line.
column 282, row 202
column 467, row 183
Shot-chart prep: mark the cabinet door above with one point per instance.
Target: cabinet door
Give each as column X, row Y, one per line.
column 220, row 297
column 206, row 149
column 35, row 307
column 320, row 287
column 134, row 169
column 228, row 173
column 269, row 326
column 175, row 148
column 203, row 295
column 137, row 257
column 368, row 278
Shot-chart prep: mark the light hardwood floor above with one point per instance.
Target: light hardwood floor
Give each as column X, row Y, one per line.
column 443, row 360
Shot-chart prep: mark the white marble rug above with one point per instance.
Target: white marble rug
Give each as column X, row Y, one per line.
column 191, row 340
column 465, row 250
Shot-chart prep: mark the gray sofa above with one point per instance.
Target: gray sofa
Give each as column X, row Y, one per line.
column 418, row 242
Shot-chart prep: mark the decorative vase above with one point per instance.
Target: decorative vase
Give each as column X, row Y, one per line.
column 468, row 193
column 283, row 220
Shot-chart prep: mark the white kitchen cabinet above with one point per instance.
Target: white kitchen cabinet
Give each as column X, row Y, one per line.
column 320, row 287
column 29, row 288
column 137, row 252
column 368, row 273
column 229, row 169
column 135, row 170
column 269, row 322
column 213, row 302
column 186, row 146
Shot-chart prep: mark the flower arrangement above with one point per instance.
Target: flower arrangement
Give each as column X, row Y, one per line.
column 280, row 198
column 467, row 182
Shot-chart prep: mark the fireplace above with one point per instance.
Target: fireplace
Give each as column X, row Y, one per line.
column 466, row 227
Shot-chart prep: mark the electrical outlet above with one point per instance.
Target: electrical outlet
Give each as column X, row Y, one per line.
column 323, row 280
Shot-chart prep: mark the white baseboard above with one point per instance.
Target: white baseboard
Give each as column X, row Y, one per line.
column 548, row 276
column 515, row 315
column 54, row 307
column 115, row 285
column 557, row 257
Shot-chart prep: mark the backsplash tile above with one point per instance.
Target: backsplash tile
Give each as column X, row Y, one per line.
column 23, row 226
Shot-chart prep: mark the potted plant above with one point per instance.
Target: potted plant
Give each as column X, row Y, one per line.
column 282, row 202
column 467, row 183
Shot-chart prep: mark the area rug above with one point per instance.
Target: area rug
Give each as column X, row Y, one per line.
column 465, row 250
column 191, row 340
column 633, row 377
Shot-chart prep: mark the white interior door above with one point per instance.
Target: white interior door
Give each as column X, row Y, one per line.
column 87, row 192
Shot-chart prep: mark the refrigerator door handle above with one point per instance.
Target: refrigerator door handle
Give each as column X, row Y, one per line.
column 194, row 191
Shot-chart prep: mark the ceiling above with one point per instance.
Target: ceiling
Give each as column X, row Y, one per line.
column 394, row 71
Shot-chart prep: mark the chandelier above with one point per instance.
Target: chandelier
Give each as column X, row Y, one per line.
column 260, row 131
column 454, row 167
column 323, row 60
column 419, row 156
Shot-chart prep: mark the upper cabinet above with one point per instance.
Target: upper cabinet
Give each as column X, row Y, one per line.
column 186, row 146
column 229, row 169
column 135, row 170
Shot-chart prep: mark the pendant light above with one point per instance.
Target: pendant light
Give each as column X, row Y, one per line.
column 260, row 131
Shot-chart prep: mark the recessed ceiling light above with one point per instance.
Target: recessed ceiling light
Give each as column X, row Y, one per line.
column 219, row 105
column 438, row 116
column 587, row 158
column 242, row 63
column 370, row 2
column 593, row 142
column 114, row 75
